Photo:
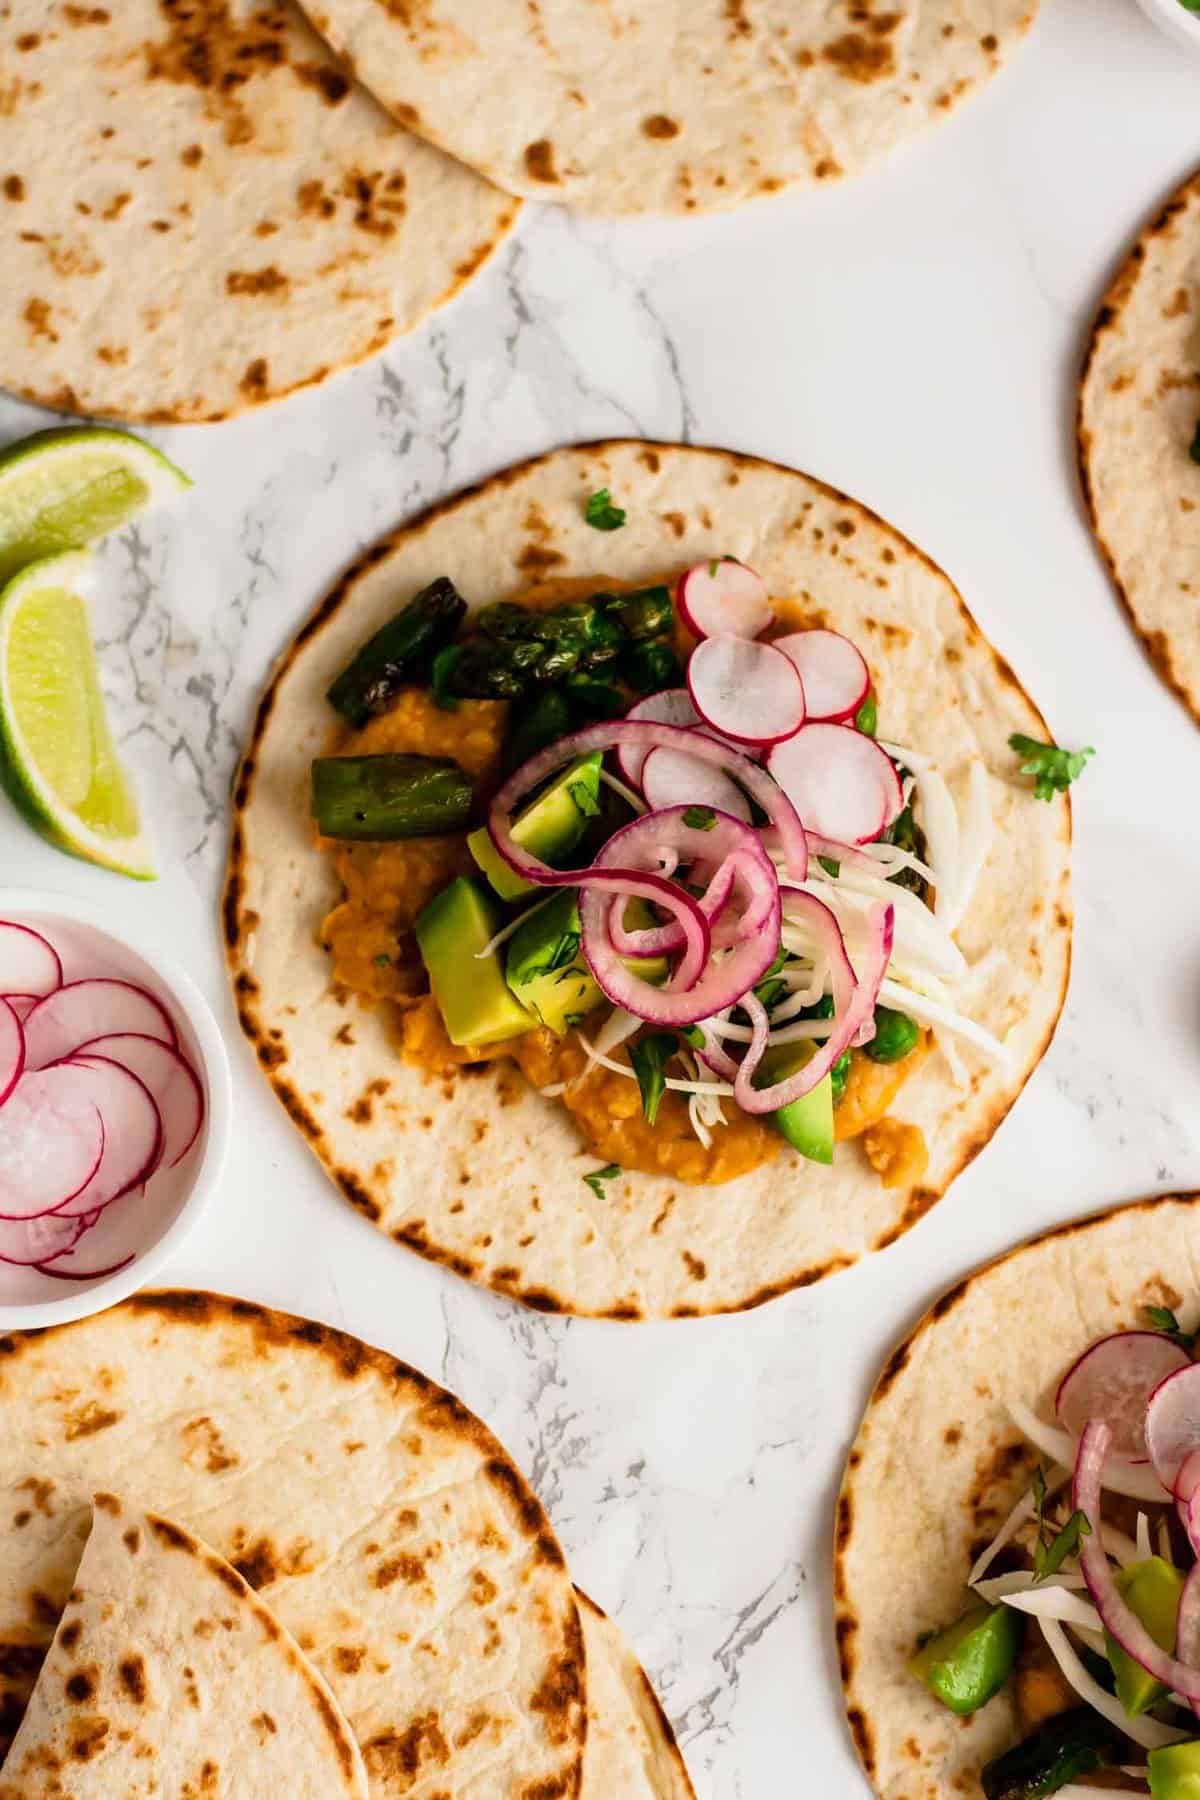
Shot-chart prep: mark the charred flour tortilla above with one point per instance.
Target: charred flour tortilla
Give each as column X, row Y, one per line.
column 631, row 1748
column 200, row 211
column 1139, row 413
column 687, row 105
column 937, row 1465
column 483, row 1173
column 168, row 1676
column 379, row 1521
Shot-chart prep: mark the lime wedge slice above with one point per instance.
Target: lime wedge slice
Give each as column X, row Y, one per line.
column 60, row 489
column 58, row 763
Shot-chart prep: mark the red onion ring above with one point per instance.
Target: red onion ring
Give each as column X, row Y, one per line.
column 637, row 735
column 1120, row 1620
column 729, row 848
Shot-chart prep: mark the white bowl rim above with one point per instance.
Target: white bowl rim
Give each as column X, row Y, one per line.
column 1176, row 20
column 112, row 1289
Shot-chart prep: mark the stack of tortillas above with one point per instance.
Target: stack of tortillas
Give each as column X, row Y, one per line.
column 249, row 1555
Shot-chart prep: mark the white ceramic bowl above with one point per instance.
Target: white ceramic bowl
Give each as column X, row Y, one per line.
column 1176, row 21
column 89, row 945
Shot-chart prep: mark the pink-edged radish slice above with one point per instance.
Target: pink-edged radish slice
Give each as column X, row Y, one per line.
column 120, row 1234
column 28, row 1242
column 1188, row 1479
column 172, row 1082
column 1113, row 1380
column 12, row 1050
column 671, row 706
column 749, row 692
column 1172, row 1421
column 672, row 778
column 22, row 1004
column 29, row 963
column 835, row 676
column 724, row 597
column 82, row 1010
column 51, row 1142
column 839, row 781
column 133, row 1135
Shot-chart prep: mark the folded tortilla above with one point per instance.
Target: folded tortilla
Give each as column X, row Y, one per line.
column 200, row 211
column 485, row 1175
column 686, row 105
column 938, row 1464
column 1139, row 413
column 380, row 1522
column 167, row 1675
column 631, row 1748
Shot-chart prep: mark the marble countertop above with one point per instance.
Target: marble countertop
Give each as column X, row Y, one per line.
column 912, row 338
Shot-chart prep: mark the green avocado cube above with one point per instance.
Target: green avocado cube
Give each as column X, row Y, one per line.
column 972, row 1659
column 546, row 967
column 1152, row 1590
column 476, row 1003
column 807, row 1123
column 1175, row 1772
column 549, row 827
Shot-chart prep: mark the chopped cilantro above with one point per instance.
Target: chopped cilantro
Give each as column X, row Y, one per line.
column 383, row 961
column 770, row 990
column 584, row 799
column 649, row 1057
column 714, row 565
column 598, row 1177
column 1053, row 769
column 692, row 1034
column 1049, row 1557
column 601, row 513
column 440, row 671
column 563, row 953
column 831, row 868
column 1164, row 1320
column 700, row 818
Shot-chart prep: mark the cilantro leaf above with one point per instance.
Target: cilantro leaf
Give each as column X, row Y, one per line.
column 692, row 1034
column 597, row 1177
column 1053, row 769
column 600, row 512
column 1163, row 1319
column 584, row 799
column 649, row 1058
column 1048, row 1559
column 700, row 818
column 831, row 868
column 440, row 671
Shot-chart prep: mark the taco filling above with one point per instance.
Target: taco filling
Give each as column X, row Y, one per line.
column 1085, row 1605
column 645, row 843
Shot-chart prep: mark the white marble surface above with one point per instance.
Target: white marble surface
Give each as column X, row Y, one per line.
column 912, row 338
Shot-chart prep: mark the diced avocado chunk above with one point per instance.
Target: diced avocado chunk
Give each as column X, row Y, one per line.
column 972, row 1659
column 549, row 827
column 1152, row 1590
column 1175, row 1772
column 807, row 1123
column 546, row 969
column 476, row 1003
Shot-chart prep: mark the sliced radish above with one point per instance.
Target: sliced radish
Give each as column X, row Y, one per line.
column 67, row 1020
column 672, row 778
column 1188, row 1479
column 723, row 596
column 133, row 1135
column 746, row 690
column 1172, row 1422
column 840, row 782
column 172, row 1082
column 29, row 963
column 120, row 1234
column 835, row 675
column 672, row 706
column 29, row 1242
column 1113, row 1380
column 22, row 1004
column 12, row 1050
column 52, row 1141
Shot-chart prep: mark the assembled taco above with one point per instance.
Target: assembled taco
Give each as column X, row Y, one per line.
column 1139, row 438
column 200, row 211
column 633, row 895
column 670, row 108
column 1016, row 1584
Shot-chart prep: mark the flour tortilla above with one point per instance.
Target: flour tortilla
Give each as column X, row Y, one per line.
column 937, row 1465
column 200, row 212
column 631, row 1748
column 168, row 1676
column 686, row 105
column 1138, row 412
column 489, row 1178
column 382, row 1524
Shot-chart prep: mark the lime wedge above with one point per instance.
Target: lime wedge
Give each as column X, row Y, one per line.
column 58, row 763
column 60, row 489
